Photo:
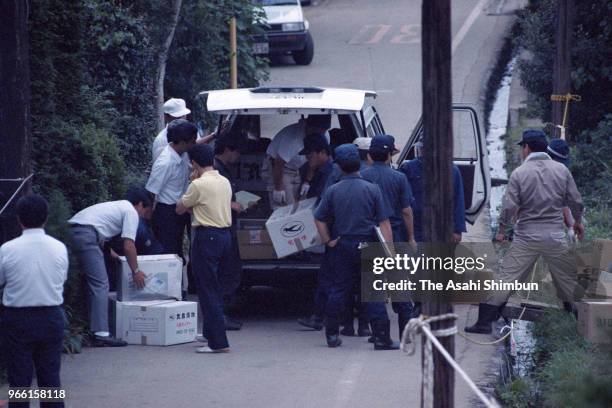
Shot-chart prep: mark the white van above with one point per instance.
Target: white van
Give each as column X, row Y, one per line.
column 286, row 31
column 259, row 113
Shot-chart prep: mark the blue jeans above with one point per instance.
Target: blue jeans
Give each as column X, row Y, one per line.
column 210, row 255
column 33, row 338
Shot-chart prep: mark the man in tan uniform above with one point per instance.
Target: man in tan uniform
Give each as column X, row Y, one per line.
column 537, row 192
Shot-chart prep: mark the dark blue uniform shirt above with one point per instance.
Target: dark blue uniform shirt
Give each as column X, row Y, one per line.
column 395, row 189
column 413, row 170
column 353, row 205
column 320, row 179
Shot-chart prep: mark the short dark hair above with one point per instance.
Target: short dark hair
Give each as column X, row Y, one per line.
column 378, row 156
column 181, row 130
column 537, row 146
column 363, row 155
column 202, row 154
column 226, row 143
column 137, row 195
column 349, row 167
column 32, row 211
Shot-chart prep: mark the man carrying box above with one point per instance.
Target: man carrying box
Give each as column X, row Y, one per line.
column 209, row 199
column 90, row 228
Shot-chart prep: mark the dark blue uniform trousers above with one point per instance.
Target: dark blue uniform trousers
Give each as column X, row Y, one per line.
column 377, row 311
column 210, row 254
column 33, row 338
column 346, row 261
column 323, row 283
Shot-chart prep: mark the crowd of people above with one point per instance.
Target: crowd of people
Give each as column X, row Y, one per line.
column 190, row 192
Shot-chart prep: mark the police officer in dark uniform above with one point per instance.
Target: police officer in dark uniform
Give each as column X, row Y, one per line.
column 227, row 154
column 398, row 199
column 413, row 169
column 315, row 174
column 353, row 207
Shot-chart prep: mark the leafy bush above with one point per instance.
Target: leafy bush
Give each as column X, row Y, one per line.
column 82, row 161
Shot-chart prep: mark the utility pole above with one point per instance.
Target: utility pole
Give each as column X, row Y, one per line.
column 562, row 67
column 437, row 168
column 14, row 109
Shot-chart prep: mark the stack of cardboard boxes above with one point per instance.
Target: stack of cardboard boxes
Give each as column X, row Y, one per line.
column 153, row 315
column 595, row 311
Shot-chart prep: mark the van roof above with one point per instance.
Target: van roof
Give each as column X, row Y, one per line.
column 284, row 100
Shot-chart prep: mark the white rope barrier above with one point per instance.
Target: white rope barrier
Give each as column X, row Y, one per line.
column 23, row 182
column 421, row 325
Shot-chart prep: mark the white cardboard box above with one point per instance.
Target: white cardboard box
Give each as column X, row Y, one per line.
column 292, row 228
column 164, row 274
column 155, row 322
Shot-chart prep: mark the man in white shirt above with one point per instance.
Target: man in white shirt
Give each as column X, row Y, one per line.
column 168, row 181
column 33, row 269
column 284, row 152
column 90, row 228
column 174, row 108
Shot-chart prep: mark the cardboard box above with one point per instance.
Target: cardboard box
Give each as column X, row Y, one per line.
column 602, row 287
column 155, row 322
column 292, row 228
column 595, row 320
column 253, row 240
column 602, row 254
column 164, row 274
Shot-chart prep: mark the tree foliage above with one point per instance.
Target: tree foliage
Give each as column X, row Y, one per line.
column 93, row 70
column 200, row 56
column 591, row 55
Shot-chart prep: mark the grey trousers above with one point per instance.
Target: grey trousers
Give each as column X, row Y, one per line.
column 520, row 259
column 87, row 249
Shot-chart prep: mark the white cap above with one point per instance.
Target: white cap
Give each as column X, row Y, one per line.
column 176, row 107
column 362, row 143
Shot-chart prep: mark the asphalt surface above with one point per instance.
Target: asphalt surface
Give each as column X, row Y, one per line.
column 274, row 363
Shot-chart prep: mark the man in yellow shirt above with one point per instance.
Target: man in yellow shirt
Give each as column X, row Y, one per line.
column 208, row 198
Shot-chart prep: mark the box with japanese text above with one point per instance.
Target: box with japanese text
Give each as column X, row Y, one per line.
column 595, row 320
column 155, row 322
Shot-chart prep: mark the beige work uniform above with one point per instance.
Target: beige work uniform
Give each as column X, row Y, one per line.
column 536, row 194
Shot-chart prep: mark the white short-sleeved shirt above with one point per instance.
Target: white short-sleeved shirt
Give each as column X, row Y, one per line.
column 169, row 176
column 110, row 219
column 159, row 143
column 287, row 143
column 33, row 268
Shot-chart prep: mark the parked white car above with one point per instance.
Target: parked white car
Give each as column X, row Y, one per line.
column 286, row 31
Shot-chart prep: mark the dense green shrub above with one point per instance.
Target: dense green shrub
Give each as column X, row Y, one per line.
column 81, row 161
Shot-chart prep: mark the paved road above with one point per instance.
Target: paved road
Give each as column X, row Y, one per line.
column 273, row 363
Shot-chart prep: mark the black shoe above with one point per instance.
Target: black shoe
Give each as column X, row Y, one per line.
column 371, row 339
column 333, row 340
column 364, row 331
column 348, row 331
column 231, row 324
column 570, row 308
column 108, row 341
column 312, row 322
column 487, row 314
column 382, row 336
